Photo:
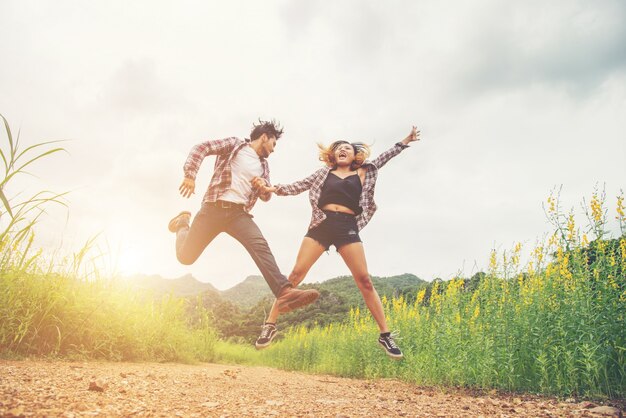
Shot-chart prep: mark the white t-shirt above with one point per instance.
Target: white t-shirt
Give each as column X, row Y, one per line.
column 244, row 167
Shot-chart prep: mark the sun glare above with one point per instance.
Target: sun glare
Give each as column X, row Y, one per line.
column 130, row 261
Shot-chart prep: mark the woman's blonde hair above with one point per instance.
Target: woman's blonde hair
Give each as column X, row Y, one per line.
column 361, row 153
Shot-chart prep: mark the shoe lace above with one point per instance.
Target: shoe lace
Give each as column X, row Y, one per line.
column 396, row 335
column 266, row 330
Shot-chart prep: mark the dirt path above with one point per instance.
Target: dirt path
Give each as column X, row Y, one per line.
column 39, row 388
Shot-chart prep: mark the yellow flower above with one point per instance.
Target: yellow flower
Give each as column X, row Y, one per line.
column 476, row 312
column 553, row 240
column 435, row 297
column 420, row 295
column 516, row 254
column 570, row 227
column 452, row 290
column 596, row 208
column 552, row 206
column 398, row 304
column 493, row 261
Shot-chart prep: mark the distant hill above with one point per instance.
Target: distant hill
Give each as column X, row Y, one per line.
column 238, row 312
column 338, row 295
column 244, row 295
column 394, row 286
column 184, row 286
column 254, row 289
column 248, row 293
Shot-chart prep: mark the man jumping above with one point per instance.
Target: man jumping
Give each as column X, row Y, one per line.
column 227, row 203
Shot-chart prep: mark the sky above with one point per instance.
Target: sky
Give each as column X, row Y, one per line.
column 513, row 99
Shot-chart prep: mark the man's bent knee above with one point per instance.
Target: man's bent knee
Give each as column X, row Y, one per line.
column 185, row 259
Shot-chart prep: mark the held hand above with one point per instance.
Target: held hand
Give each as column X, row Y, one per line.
column 257, row 183
column 187, row 188
column 413, row 136
column 261, row 185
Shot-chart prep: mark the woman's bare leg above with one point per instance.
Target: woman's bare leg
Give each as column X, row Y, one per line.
column 310, row 252
column 354, row 257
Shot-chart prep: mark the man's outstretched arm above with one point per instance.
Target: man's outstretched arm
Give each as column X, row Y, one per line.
column 187, row 187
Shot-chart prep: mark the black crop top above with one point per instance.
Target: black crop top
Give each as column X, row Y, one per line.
column 345, row 192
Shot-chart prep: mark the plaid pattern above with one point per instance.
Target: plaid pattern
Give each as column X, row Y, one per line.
column 225, row 150
column 315, row 181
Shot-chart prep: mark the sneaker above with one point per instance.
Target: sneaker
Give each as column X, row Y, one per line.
column 268, row 332
column 389, row 345
column 291, row 299
column 178, row 221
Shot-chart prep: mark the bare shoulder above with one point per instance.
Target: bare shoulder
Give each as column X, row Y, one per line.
column 361, row 172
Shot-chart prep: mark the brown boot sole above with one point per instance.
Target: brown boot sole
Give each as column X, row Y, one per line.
column 298, row 302
column 173, row 225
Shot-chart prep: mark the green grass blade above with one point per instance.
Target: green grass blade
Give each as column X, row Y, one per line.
column 32, row 160
column 8, row 129
column 17, row 157
column 5, row 201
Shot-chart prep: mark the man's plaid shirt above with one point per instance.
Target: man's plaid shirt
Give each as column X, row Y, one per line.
column 225, row 150
column 315, row 181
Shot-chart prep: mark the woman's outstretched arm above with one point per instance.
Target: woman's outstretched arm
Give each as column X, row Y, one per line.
column 287, row 189
column 383, row 158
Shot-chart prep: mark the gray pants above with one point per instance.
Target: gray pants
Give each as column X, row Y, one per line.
column 210, row 221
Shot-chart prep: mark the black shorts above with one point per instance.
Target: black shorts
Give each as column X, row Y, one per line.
column 337, row 229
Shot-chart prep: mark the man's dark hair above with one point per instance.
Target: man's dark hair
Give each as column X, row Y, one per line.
column 270, row 128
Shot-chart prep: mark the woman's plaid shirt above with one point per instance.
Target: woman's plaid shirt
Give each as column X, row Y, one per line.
column 315, row 181
column 225, row 150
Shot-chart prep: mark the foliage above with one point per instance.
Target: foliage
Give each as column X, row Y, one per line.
column 248, row 293
column 236, row 323
column 70, row 310
column 554, row 325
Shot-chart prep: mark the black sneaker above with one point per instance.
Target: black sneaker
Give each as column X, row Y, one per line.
column 389, row 345
column 268, row 332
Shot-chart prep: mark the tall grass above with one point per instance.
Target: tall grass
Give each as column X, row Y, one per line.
column 49, row 308
column 555, row 325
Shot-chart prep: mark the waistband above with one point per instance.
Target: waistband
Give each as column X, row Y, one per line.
column 338, row 214
column 224, row 204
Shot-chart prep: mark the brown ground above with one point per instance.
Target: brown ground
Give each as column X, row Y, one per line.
column 40, row 388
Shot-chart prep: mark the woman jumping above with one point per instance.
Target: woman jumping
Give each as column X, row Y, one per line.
column 342, row 197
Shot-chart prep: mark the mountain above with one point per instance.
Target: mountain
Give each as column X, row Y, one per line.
column 254, row 289
column 244, row 295
column 184, row 286
column 237, row 313
column 394, row 286
column 248, row 293
column 337, row 296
